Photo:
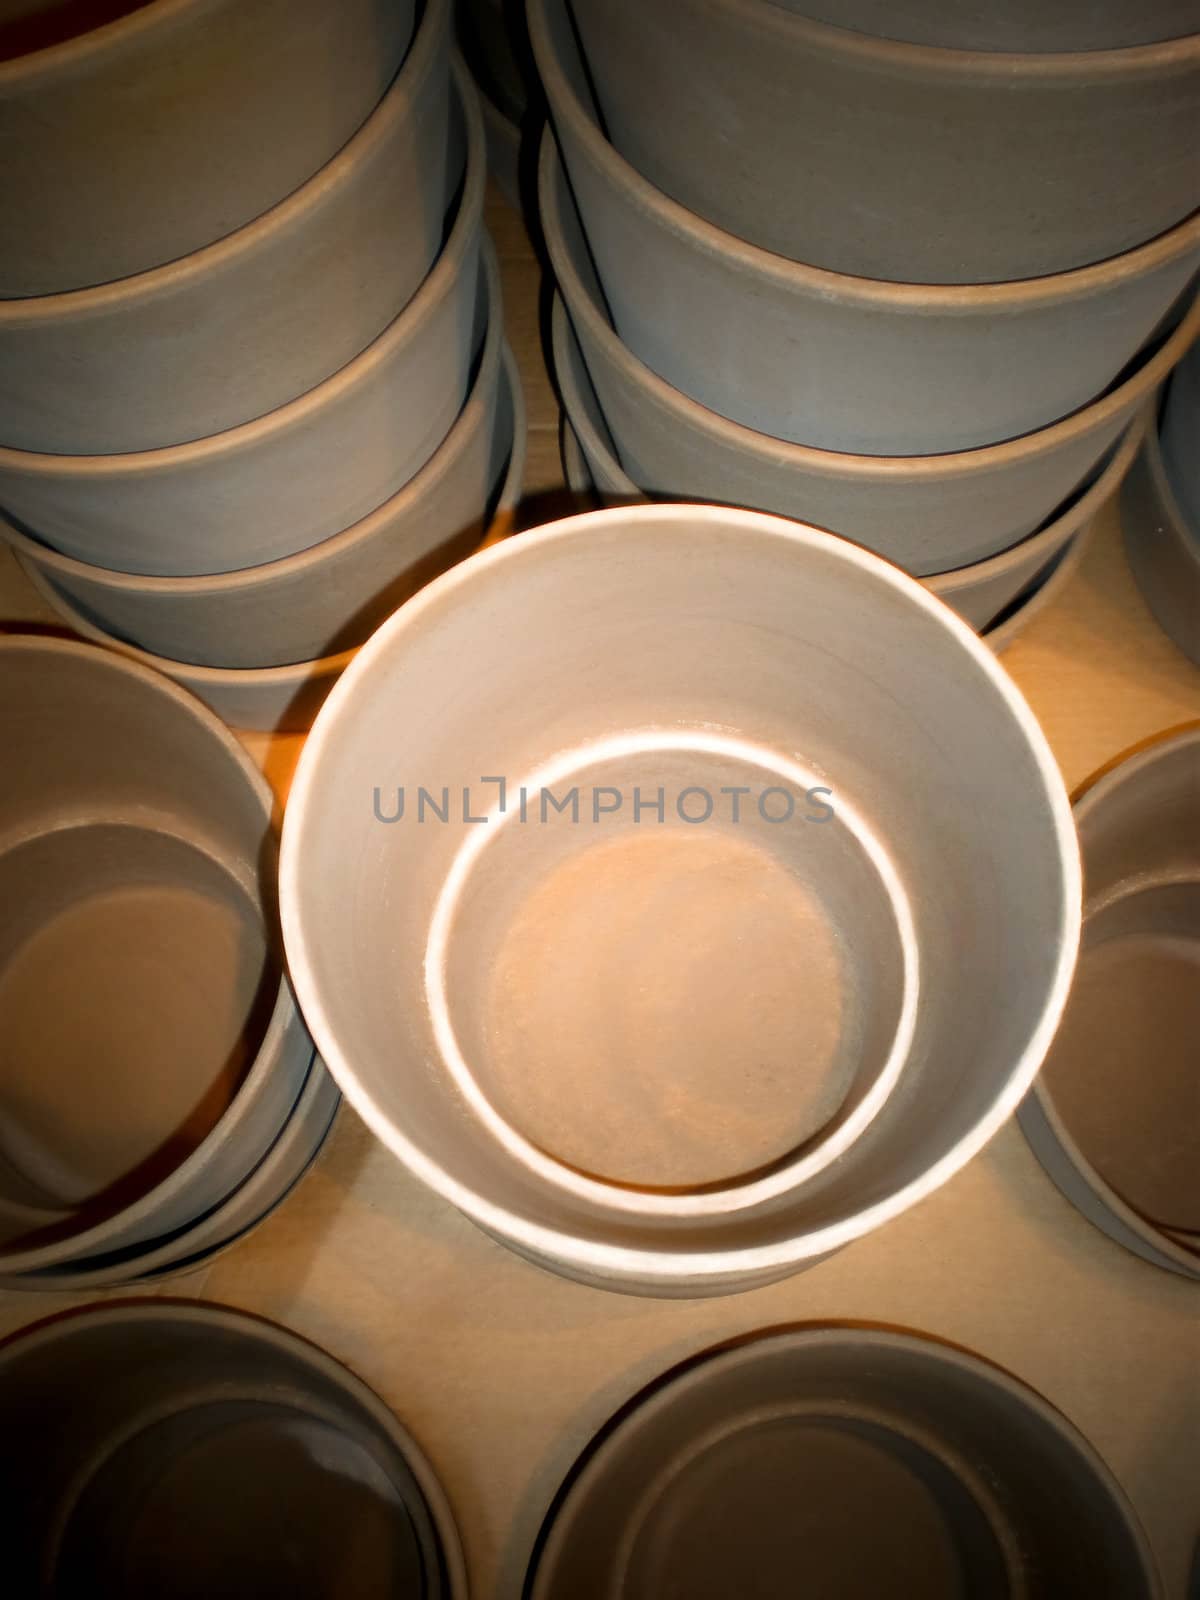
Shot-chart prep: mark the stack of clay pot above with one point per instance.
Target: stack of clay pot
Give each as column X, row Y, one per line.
column 161, row 1091
column 906, row 274
column 255, row 386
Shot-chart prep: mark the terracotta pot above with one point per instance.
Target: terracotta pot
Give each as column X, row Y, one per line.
column 333, row 594
column 633, row 650
column 978, row 593
column 198, row 1450
column 230, row 332
column 284, row 482
column 173, row 125
column 286, row 699
column 153, row 1048
column 1111, row 1118
column 885, row 160
column 928, row 514
column 848, row 1461
column 823, row 359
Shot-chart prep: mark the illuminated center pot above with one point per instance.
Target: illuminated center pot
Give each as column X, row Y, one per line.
column 761, row 937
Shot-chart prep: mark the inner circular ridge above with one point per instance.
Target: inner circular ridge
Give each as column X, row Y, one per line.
column 673, row 971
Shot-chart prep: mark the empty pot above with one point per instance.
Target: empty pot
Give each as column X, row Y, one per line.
column 194, row 1450
column 333, row 594
column 286, row 699
column 842, row 1461
column 844, row 363
column 1112, row 1117
column 557, row 1009
column 1023, row 28
column 284, row 482
column 876, row 159
column 1162, row 546
column 928, row 514
column 232, row 331
column 979, row 592
column 131, row 144
column 152, row 1046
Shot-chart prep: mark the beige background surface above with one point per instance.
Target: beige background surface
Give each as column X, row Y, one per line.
column 503, row 1371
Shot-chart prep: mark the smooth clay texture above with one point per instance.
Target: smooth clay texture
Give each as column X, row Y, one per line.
column 880, row 160
column 134, row 135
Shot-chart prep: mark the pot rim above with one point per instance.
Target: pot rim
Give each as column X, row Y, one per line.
column 673, row 1388
column 940, row 583
column 618, row 1260
column 163, row 1310
column 437, row 283
column 999, row 638
column 961, row 299
column 1093, row 796
column 837, row 463
column 443, row 461
column 65, row 306
column 285, row 1015
column 196, row 679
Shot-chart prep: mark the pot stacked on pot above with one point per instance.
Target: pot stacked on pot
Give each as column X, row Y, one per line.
column 256, row 390
column 162, row 1094
column 915, row 291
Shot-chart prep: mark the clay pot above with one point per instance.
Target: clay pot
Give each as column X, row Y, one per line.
column 848, row 1461
column 929, row 514
column 286, row 699
column 1111, row 1118
column 287, row 480
column 153, row 1049
column 173, row 125
column 878, row 159
column 197, row 1450
column 333, row 594
column 979, row 593
column 818, row 358
column 581, row 1040
column 225, row 334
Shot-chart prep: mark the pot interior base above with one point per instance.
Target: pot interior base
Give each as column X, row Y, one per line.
column 134, row 978
column 810, row 1505
column 241, row 1499
column 663, row 985
column 1123, row 1070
